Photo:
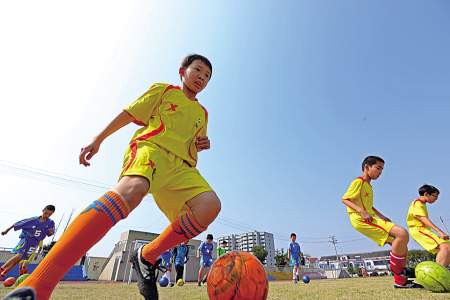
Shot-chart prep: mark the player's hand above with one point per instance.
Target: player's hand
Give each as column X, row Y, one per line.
column 386, row 219
column 366, row 216
column 51, row 231
column 198, row 257
column 186, row 261
column 4, row 232
column 36, row 256
column 443, row 235
column 90, row 150
column 202, row 143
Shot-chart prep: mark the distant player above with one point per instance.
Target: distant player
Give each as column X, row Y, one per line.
column 34, row 230
column 23, row 264
column 363, row 270
column 160, row 159
column 294, row 254
column 181, row 257
column 363, row 216
column 420, row 226
column 167, row 264
column 204, row 253
column 222, row 249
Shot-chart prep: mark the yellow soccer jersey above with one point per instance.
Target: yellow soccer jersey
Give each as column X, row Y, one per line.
column 416, row 210
column 170, row 120
column 360, row 192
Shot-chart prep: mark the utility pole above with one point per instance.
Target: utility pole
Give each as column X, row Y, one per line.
column 334, row 242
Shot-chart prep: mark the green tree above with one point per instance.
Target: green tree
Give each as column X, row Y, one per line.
column 357, row 270
column 47, row 248
column 260, row 252
column 280, row 257
column 350, row 270
column 417, row 256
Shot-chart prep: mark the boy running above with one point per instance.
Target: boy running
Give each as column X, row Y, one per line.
column 34, row 230
column 205, row 251
column 23, row 264
column 160, row 160
column 222, row 249
column 294, row 254
column 166, row 264
column 359, row 201
column 420, row 226
column 181, row 257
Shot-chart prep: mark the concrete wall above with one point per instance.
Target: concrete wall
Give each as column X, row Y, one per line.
column 118, row 267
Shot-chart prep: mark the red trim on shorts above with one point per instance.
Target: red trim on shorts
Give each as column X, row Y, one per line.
column 429, row 237
column 133, row 144
column 136, row 121
column 371, row 224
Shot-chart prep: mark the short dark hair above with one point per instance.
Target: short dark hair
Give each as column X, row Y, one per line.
column 427, row 189
column 209, row 237
column 293, row 234
column 371, row 160
column 224, row 242
column 187, row 61
column 50, row 207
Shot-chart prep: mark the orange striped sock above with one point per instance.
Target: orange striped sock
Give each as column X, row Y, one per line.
column 86, row 230
column 200, row 277
column 182, row 229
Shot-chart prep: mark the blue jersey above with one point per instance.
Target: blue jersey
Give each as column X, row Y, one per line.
column 206, row 249
column 165, row 262
column 294, row 249
column 33, row 228
column 181, row 252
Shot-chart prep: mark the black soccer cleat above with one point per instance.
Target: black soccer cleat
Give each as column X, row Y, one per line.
column 22, row 293
column 204, row 280
column 146, row 273
column 408, row 272
column 171, row 284
column 199, row 284
column 408, row 285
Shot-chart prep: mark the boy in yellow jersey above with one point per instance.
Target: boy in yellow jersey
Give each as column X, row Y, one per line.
column 370, row 222
column 160, row 160
column 420, row 226
column 23, row 264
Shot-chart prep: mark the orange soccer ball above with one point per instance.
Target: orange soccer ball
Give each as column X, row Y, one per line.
column 237, row 275
column 9, row 282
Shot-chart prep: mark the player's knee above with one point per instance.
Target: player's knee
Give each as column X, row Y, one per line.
column 444, row 247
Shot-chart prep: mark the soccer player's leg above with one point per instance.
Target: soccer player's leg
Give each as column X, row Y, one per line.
column 85, row 231
column 10, row 264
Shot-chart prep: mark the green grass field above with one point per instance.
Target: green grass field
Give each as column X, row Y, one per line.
column 355, row 288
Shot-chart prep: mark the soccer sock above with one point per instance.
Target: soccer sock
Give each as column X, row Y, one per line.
column 86, row 230
column 181, row 230
column 25, row 271
column 167, row 275
column 21, row 272
column 200, row 277
column 396, row 265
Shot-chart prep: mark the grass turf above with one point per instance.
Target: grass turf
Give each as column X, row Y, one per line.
column 355, row 288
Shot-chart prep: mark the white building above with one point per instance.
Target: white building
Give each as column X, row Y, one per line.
column 246, row 241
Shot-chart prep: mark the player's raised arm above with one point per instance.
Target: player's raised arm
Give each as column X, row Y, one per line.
column 427, row 222
column 90, row 150
column 6, row 231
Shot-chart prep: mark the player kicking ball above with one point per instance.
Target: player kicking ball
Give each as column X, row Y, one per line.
column 34, row 230
column 161, row 160
column 370, row 222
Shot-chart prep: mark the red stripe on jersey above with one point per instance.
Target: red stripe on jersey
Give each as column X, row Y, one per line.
column 133, row 144
column 360, row 191
column 194, row 139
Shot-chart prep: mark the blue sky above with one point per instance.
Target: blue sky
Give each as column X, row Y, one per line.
column 301, row 92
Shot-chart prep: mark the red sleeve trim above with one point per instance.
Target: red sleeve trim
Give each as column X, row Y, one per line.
column 136, row 121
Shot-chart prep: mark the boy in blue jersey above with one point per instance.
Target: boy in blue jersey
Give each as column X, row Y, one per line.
column 167, row 264
column 295, row 255
column 205, row 251
column 34, row 230
column 180, row 256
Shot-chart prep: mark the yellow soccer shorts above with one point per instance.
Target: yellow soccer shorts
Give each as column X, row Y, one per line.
column 377, row 230
column 172, row 181
column 427, row 238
